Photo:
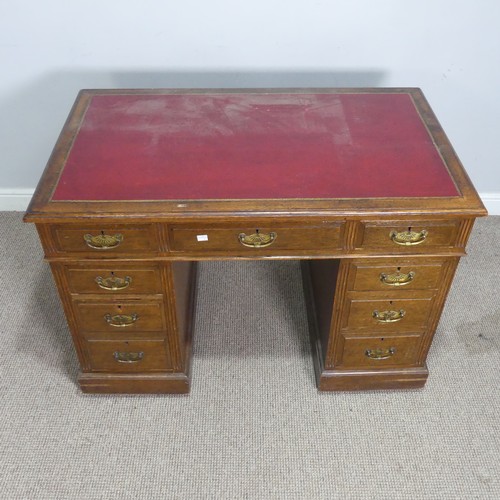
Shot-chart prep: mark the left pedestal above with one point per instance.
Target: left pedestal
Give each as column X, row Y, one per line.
column 130, row 322
column 130, row 319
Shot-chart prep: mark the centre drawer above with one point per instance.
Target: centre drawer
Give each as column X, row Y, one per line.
column 252, row 239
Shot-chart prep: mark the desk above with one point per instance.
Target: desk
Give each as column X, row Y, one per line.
column 362, row 185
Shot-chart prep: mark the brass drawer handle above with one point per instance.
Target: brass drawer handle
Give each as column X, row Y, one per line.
column 113, row 282
column 128, row 357
column 408, row 237
column 257, row 240
column 389, row 316
column 121, row 320
column 397, row 279
column 380, row 353
column 103, row 241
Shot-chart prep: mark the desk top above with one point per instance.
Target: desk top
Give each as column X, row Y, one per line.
column 161, row 151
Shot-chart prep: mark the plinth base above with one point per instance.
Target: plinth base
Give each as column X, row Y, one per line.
column 141, row 383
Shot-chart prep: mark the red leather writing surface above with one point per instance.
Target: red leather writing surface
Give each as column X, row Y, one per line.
column 252, row 146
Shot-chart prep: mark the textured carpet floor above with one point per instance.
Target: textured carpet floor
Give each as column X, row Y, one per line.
column 254, row 426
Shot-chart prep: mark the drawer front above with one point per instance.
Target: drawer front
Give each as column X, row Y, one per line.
column 387, row 314
column 394, row 275
column 128, row 355
column 114, row 279
column 378, row 352
column 106, row 241
column 120, row 318
column 246, row 240
column 408, row 236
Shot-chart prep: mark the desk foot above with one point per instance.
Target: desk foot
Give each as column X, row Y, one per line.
column 158, row 383
column 350, row 380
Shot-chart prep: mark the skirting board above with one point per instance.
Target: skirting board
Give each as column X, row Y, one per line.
column 491, row 202
column 15, row 199
column 18, row 199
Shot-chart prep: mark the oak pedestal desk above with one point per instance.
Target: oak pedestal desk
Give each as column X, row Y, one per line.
column 361, row 185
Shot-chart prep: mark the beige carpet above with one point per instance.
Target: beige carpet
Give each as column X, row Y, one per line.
column 254, row 426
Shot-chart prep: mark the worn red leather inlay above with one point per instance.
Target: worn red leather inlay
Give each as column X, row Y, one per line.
column 252, row 146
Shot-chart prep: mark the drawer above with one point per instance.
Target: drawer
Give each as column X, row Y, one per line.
column 128, row 355
column 387, row 275
column 113, row 279
column 105, row 241
column 363, row 312
column 247, row 239
column 378, row 352
column 120, row 318
column 408, row 236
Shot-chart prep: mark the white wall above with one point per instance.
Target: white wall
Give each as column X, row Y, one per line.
column 50, row 49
